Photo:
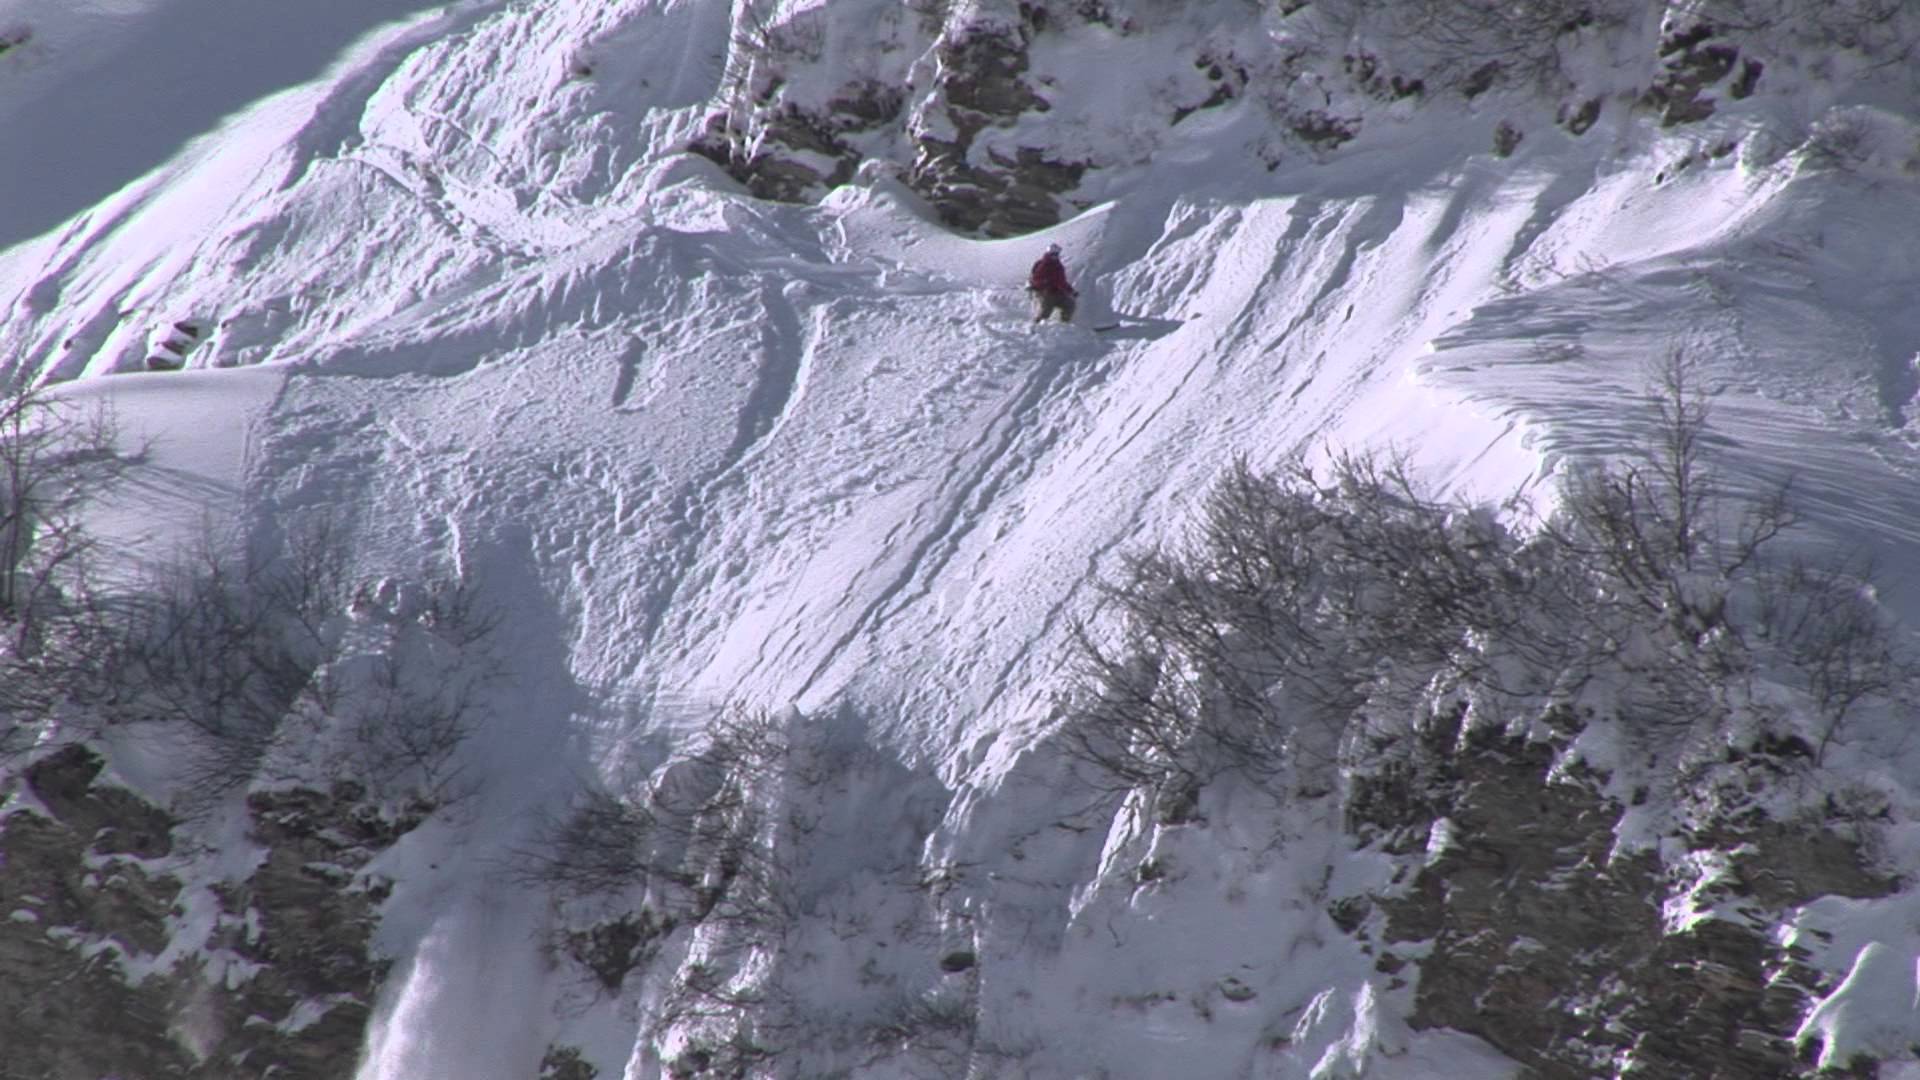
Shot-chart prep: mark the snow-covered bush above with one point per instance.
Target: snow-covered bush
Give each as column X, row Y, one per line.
column 1863, row 139
column 1302, row 600
column 1839, row 648
column 1312, row 617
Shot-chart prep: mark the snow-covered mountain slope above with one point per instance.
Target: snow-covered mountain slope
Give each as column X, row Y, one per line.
column 459, row 297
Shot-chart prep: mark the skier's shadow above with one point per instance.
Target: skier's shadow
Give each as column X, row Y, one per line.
column 1138, row 327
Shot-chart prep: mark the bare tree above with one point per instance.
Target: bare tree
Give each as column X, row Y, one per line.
column 1671, row 542
column 1306, row 608
column 1884, row 31
column 56, row 461
column 1253, row 648
column 1823, row 622
column 694, row 837
column 221, row 646
column 261, row 666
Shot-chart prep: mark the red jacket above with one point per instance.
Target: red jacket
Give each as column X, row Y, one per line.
column 1049, row 276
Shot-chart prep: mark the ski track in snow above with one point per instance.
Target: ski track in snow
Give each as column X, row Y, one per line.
column 979, row 473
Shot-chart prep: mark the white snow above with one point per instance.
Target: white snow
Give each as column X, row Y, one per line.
column 708, row 450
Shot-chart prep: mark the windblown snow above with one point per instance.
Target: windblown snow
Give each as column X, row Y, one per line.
column 710, row 451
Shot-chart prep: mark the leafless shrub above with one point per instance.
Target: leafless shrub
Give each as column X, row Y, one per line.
column 221, row 647
column 603, row 844
column 1823, row 622
column 1671, row 547
column 1253, row 647
column 940, row 1029
column 411, row 710
column 699, row 844
column 56, row 460
column 1305, row 609
column 1464, row 45
column 1879, row 29
column 263, row 667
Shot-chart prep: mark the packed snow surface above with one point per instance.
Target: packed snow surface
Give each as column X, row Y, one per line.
column 710, row 451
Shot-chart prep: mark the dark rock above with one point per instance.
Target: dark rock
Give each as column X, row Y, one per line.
column 1691, row 65
column 1481, row 79
column 119, row 822
column 1234, row 990
column 1349, row 913
column 982, row 85
column 1221, row 94
column 1682, row 41
column 1177, row 801
column 1506, row 139
column 1323, row 130
column 613, row 949
column 1365, row 70
column 1582, row 119
column 762, row 158
column 867, row 104
column 1540, row 939
column 983, row 72
column 90, row 871
column 566, row 1063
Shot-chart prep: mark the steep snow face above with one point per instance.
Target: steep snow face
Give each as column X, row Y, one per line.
column 711, row 450
column 435, row 155
column 144, row 79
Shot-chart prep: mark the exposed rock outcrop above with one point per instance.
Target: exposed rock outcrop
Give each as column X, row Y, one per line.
column 1523, row 924
column 1692, row 61
column 84, row 902
column 974, row 107
column 790, row 151
column 120, row 957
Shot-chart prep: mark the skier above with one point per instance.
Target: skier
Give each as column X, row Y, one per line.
column 1048, row 284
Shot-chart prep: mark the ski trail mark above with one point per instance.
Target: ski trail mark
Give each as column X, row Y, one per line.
column 785, row 356
column 1028, row 652
column 630, row 361
column 1548, row 203
column 985, row 468
column 1173, row 394
column 1376, row 223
